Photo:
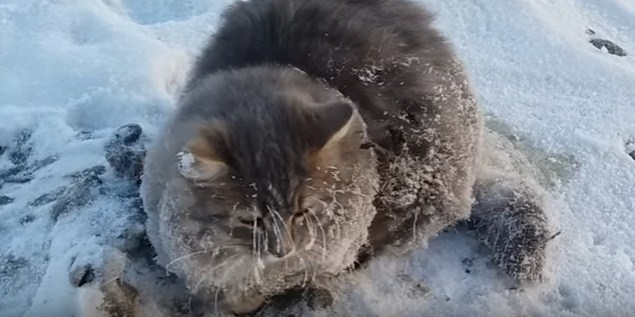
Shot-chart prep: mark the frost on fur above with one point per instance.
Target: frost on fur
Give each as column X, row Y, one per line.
column 510, row 215
column 514, row 225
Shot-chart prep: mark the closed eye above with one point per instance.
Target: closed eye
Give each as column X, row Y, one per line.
column 301, row 213
column 252, row 221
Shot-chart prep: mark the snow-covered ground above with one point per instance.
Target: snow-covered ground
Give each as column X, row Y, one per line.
column 73, row 71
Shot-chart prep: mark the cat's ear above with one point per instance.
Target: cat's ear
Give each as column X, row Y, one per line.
column 330, row 124
column 201, row 159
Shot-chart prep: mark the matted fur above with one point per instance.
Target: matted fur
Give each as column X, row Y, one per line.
column 402, row 172
column 408, row 85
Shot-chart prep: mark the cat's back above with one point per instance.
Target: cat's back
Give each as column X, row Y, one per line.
column 326, row 38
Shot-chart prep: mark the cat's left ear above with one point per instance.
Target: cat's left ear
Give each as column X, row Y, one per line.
column 331, row 123
column 201, row 159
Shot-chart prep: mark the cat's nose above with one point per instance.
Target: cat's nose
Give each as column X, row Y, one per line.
column 279, row 244
column 279, row 251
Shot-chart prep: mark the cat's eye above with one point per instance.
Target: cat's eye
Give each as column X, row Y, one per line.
column 300, row 213
column 251, row 221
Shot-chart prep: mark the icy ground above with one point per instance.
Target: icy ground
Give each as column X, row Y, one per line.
column 73, row 71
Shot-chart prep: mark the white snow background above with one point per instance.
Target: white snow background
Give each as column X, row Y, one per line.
column 73, row 71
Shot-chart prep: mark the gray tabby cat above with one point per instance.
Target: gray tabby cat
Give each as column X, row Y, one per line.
column 313, row 134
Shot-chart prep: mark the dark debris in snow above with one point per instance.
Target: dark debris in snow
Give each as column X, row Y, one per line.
column 125, row 153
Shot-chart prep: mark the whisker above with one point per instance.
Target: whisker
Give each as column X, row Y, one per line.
column 254, row 246
column 414, row 227
column 213, row 268
column 284, row 224
column 276, row 227
column 338, row 228
column 306, row 272
column 256, row 253
column 167, row 267
column 312, row 232
column 235, row 246
column 216, row 311
column 257, row 268
column 321, row 227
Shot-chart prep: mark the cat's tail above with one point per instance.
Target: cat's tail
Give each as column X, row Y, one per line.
column 511, row 211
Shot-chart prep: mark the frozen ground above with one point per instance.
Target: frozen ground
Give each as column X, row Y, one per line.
column 73, row 71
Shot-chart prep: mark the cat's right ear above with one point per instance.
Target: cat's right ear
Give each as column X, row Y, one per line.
column 330, row 124
column 200, row 159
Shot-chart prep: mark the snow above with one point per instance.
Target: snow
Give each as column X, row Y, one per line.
column 74, row 71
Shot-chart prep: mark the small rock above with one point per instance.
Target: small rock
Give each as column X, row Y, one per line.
column 48, row 197
column 81, row 275
column 126, row 161
column 5, row 173
column 27, row 219
column 84, row 135
column 128, row 134
column 76, row 195
column 20, row 150
column 468, row 263
column 125, row 154
column 630, row 149
column 43, row 162
column 94, row 171
column 18, row 174
column 5, row 200
column 611, row 47
column 19, row 156
column 20, row 178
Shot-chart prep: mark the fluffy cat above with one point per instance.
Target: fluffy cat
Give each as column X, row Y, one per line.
column 311, row 134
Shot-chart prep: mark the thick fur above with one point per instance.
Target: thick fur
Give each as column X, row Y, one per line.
column 402, row 167
column 406, row 81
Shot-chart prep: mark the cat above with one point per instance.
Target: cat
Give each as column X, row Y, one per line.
column 311, row 136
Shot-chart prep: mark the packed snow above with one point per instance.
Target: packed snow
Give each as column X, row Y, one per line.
column 75, row 71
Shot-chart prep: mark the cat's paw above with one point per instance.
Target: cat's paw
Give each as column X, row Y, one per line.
column 517, row 231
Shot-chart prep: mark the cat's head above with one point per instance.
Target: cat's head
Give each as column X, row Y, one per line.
column 283, row 179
